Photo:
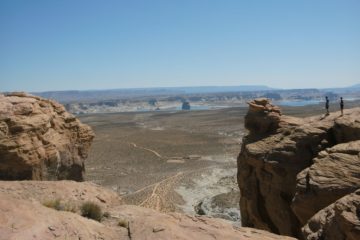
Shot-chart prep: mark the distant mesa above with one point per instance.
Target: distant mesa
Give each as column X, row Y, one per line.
column 273, row 96
column 332, row 96
column 355, row 86
column 185, row 106
column 152, row 102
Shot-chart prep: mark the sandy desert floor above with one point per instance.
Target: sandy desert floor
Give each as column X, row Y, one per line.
column 181, row 161
column 169, row 161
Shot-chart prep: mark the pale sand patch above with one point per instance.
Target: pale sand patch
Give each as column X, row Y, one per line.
column 204, row 188
column 157, row 129
column 175, row 161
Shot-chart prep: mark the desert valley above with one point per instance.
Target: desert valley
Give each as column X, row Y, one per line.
column 179, row 120
column 175, row 174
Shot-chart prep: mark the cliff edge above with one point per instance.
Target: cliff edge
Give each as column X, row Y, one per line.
column 290, row 168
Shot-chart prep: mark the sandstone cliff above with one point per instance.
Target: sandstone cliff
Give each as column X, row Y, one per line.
column 290, row 168
column 340, row 220
column 39, row 140
column 335, row 173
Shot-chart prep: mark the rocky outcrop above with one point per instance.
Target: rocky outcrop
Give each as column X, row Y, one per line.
column 340, row 220
column 69, row 192
column 25, row 220
column 23, row 216
column 334, row 174
column 39, row 140
column 286, row 167
column 262, row 117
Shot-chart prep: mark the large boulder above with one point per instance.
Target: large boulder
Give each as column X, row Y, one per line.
column 276, row 149
column 347, row 129
column 39, row 140
column 262, row 117
column 339, row 221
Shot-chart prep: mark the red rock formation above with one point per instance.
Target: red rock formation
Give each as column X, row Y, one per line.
column 340, row 220
column 262, row 117
column 39, row 140
column 276, row 149
column 334, row 174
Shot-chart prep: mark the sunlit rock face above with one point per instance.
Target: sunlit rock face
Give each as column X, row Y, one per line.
column 290, row 168
column 340, row 220
column 39, row 140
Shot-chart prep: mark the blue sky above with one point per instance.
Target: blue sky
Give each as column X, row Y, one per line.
column 86, row 44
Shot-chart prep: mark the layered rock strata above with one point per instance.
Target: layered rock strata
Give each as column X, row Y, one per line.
column 290, row 168
column 334, row 174
column 340, row 220
column 39, row 140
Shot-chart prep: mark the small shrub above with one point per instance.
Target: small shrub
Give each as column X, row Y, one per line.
column 123, row 223
column 58, row 205
column 55, row 204
column 69, row 207
column 91, row 210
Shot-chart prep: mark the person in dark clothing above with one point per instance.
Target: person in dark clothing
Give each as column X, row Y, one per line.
column 342, row 105
column 327, row 105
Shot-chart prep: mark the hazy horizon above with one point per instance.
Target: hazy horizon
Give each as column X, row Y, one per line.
column 91, row 45
column 269, row 88
column 169, row 87
column 204, row 86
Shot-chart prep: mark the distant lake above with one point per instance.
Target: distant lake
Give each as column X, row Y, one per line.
column 297, row 103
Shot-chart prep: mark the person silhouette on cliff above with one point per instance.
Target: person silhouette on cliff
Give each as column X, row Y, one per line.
column 342, row 106
column 327, row 105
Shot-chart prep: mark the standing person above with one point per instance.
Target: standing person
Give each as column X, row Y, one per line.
column 342, row 106
column 327, row 105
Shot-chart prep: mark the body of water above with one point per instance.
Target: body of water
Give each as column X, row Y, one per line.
column 297, row 103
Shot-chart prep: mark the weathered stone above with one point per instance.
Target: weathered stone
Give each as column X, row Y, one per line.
column 262, row 116
column 39, row 140
column 339, row 221
column 335, row 173
column 276, row 149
